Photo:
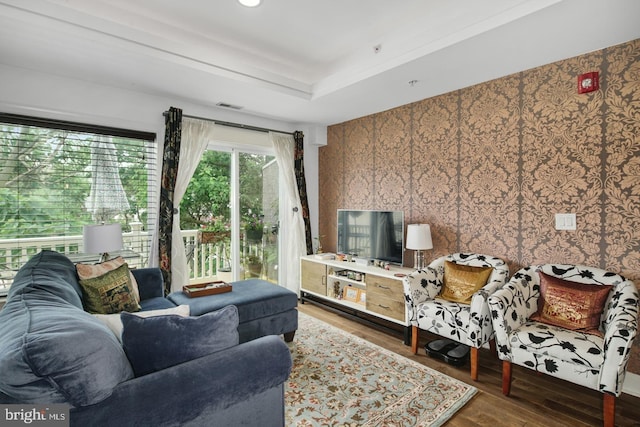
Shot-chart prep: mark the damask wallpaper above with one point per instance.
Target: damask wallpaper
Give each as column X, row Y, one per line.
column 489, row 166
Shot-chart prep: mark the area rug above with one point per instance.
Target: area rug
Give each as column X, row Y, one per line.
column 339, row 379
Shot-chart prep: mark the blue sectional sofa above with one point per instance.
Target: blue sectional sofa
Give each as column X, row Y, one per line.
column 52, row 351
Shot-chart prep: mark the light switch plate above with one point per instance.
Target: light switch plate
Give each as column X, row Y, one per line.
column 566, row 221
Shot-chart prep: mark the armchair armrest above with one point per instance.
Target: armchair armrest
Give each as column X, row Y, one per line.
column 193, row 392
column 512, row 305
column 621, row 327
column 150, row 282
column 420, row 286
column 480, row 323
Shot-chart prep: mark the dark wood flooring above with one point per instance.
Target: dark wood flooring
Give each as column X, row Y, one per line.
column 536, row 400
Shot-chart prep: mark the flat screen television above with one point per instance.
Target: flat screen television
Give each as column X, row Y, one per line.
column 372, row 234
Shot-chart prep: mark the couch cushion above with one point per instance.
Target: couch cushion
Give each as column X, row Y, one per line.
column 54, row 352
column 49, row 272
column 560, row 343
column 571, row 305
column 109, row 293
column 155, row 343
column 445, row 312
column 89, row 271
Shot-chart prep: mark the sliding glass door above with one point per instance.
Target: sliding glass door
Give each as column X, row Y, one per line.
column 258, row 201
column 230, row 216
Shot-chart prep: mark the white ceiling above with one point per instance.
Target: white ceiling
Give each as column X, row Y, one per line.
column 304, row 61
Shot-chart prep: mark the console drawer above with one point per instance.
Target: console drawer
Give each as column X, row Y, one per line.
column 389, row 288
column 381, row 304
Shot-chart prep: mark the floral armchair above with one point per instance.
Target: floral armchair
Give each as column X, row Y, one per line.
column 596, row 359
column 469, row 324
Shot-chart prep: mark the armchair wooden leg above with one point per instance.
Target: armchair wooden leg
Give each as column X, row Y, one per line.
column 492, row 347
column 414, row 339
column 506, row 377
column 609, row 410
column 474, row 363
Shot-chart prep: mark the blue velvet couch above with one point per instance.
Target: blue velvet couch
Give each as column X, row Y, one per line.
column 52, row 351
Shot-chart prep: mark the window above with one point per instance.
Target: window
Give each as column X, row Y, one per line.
column 56, row 177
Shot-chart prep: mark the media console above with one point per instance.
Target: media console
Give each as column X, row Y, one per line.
column 368, row 293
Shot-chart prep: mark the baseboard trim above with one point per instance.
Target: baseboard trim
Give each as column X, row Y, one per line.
column 631, row 384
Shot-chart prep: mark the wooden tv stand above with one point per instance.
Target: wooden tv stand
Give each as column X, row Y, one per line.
column 373, row 295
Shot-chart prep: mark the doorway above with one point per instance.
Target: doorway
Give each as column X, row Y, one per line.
column 232, row 243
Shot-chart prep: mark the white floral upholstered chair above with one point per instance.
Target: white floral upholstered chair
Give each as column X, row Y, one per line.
column 590, row 320
column 430, row 305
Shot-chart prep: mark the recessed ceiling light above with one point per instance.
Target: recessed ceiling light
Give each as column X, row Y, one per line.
column 249, row 3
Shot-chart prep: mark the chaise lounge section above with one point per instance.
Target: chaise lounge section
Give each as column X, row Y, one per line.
column 53, row 351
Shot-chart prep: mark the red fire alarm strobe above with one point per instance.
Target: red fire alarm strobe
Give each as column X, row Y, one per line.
column 588, row 82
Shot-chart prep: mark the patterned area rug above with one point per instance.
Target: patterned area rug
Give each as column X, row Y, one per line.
column 339, row 379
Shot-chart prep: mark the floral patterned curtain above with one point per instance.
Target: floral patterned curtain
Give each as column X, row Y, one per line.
column 170, row 159
column 298, row 137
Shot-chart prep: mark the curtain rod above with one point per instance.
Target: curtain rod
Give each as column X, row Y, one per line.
column 233, row 125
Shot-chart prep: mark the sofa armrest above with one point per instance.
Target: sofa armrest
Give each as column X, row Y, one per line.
column 150, row 282
column 192, row 392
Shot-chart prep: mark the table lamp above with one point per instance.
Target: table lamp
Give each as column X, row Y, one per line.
column 102, row 239
column 419, row 239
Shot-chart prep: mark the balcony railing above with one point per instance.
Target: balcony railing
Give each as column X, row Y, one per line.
column 205, row 260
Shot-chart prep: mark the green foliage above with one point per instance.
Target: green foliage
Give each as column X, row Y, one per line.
column 254, row 222
column 218, row 225
column 208, row 194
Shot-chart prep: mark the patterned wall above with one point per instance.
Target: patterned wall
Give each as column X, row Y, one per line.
column 488, row 166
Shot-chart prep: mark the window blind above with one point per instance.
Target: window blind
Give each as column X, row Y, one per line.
column 57, row 176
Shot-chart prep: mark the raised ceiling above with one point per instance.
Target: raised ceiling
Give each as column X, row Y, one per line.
column 304, row 61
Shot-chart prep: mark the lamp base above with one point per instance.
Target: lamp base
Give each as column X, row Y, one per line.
column 104, row 258
column 419, row 260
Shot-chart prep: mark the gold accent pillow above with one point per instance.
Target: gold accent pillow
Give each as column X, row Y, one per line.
column 90, row 271
column 462, row 281
column 109, row 293
column 571, row 305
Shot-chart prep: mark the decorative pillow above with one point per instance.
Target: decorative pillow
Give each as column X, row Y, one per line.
column 462, row 281
column 114, row 323
column 571, row 305
column 155, row 343
column 90, row 271
column 109, row 293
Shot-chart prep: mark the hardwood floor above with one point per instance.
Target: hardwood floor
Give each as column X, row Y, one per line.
column 536, row 400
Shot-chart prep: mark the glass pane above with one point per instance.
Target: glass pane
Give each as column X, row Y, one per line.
column 259, row 215
column 205, row 218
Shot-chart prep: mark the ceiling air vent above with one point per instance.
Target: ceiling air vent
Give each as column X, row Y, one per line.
column 225, row 105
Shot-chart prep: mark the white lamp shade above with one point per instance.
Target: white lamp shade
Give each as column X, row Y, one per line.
column 103, row 238
column 419, row 237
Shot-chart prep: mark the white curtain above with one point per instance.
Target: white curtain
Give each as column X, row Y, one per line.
column 292, row 238
column 196, row 134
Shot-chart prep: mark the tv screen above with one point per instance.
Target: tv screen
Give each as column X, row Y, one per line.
column 372, row 234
